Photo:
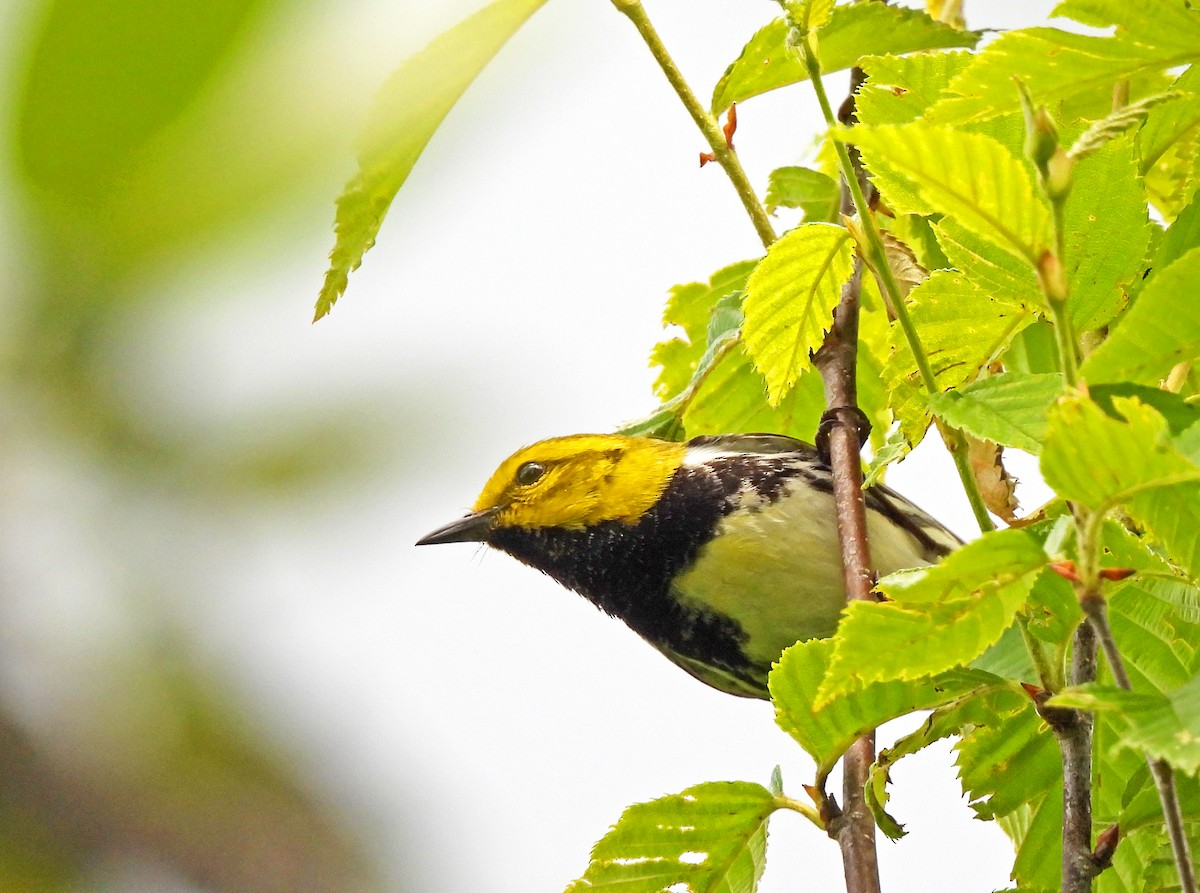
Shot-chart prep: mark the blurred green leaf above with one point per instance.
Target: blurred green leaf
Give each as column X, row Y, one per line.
column 105, row 78
column 899, row 89
column 411, row 107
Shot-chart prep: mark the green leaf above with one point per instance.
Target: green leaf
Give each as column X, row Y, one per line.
column 691, row 308
column 733, row 400
column 1161, row 329
column 1008, row 409
column 1163, row 23
column 1180, row 237
column 409, row 110
column 989, row 266
column 1156, row 623
column 899, row 89
column 1168, row 124
column 937, row 618
column 1106, row 231
column 981, row 707
column 711, row 838
column 789, row 303
column 1165, row 727
column 1101, row 461
column 1009, row 762
column 767, row 63
column 826, row 731
column 1058, row 66
column 817, row 194
column 922, row 169
column 962, row 329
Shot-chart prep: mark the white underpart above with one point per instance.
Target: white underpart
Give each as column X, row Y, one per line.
column 777, row 571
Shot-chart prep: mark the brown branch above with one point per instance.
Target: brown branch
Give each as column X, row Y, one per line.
column 854, row 829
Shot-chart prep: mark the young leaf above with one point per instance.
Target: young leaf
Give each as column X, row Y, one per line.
column 800, row 187
column 1058, row 66
column 1127, row 117
column 711, row 838
column 1008, row 409
column 899, row 89
column 767, row 63
column 1165, row 727
column 789, row 303
column 937, row 618
column 1161, row 329
column 410, row 108
column 825, row 732
column 923, row 169
column 691, row 307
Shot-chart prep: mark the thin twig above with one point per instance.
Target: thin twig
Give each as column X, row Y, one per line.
column 837, row 359
column 721, row 151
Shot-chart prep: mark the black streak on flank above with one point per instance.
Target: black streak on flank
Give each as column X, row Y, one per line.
column 626, row 569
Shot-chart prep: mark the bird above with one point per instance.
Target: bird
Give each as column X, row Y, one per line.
column 720, row 551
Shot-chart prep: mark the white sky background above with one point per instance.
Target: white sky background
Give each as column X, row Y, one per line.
column 488, row 724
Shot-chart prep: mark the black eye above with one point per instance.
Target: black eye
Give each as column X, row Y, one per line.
column 530, row 473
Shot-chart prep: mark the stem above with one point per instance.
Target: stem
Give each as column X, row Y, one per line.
column 836, row 360
column 1041, row 664
column 878, row 262
column 721, row 150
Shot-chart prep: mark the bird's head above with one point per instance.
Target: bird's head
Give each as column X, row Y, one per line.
column 569, row 482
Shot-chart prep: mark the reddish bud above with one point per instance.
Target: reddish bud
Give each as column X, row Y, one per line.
column 730, row 125
column 1034, row 692
column 1065, row 569
column 706, row 157
column 1116, row 574
column 1106, row 845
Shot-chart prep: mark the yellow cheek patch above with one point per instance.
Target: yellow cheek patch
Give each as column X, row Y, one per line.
column 589, row 478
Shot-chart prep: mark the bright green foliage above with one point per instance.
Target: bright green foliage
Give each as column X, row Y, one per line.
column 1169, row 124
column 1106, row 231
column 789, row 303
column 691, row 308
column 711, row 838
column 410, row 108
column 1161, row 329
column 937, row 618
column 963, row 329
column 1102, row 461
column 1166, row 726
column 854, row 30
column 1008, row 409
column 826, row 731
column 817, row 194
column 1059, row 66
column 900, row 88
column 922, row 169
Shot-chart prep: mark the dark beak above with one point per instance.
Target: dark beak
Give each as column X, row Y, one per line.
column 474, row 528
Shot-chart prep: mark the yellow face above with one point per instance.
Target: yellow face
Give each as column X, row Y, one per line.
column 580, row 480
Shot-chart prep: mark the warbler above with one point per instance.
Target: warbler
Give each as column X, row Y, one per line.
column 720, row 552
